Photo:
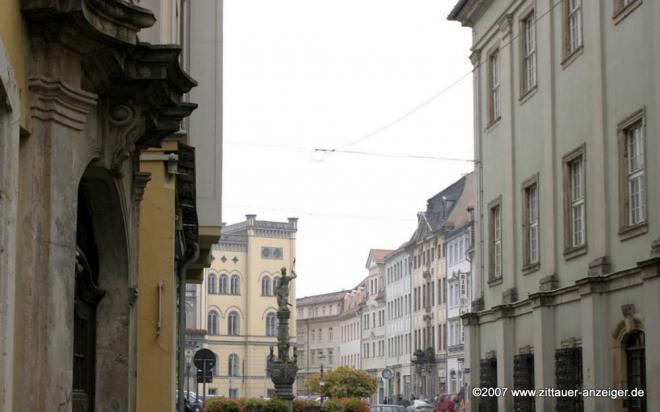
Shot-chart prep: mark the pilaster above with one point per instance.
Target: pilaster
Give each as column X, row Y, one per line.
column 596, row 358
column 544, row 349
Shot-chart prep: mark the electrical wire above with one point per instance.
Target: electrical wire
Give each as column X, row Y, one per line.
column 435, row 95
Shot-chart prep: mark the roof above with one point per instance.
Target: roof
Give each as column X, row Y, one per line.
column 457, row 9
column 439, row 206
column 381, row 254
column 324, row 298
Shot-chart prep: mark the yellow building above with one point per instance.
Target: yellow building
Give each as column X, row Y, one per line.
column 236, row 304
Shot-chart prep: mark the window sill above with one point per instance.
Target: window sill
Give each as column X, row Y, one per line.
column 493, row 124
column 495, row 281
column 573, row 252
column 527, row 94
column 622, row 13
column 629, row 232
column 531, row 268
column 571, row 57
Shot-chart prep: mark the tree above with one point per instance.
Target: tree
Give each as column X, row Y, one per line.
column 343, row 382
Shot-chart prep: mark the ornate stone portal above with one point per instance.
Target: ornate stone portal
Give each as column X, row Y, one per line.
column 283, row 369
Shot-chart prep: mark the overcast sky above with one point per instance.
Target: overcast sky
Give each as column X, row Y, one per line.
column 320, row 74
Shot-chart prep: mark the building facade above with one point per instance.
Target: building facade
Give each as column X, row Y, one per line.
column 82, row 96
column 373, row 321
column 458, row 244
column 318, row 335
column 566, row 261
column 236, row 304
column 173, row 186
column 429, row 287
column 398, row 284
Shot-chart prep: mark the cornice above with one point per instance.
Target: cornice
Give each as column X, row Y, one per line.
column 82, row 21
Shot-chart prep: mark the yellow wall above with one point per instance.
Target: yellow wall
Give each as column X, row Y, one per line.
column 157, row 352
column 13, row 34
column 252, row 346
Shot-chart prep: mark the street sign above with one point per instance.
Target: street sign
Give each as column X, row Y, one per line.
column 204, row 378
column 387, row 373
column 204, row 359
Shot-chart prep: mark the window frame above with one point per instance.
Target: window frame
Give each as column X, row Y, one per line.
column 627, row 229
column 572, row 249
column 494, row 89
column 528, row 226
column 528, row 57
column 235, row 287
column 493, row 278
column 233, row 328
column 570, row 52
column 266, row 291
column 622, row 10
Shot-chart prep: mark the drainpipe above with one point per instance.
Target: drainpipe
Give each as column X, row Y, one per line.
column 194, row 248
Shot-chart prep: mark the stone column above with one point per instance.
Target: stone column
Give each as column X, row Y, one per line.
column 505, row 342
column 49, row 176
column 544, row 349
column 596, row 359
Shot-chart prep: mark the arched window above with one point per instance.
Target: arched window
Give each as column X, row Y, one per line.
column 223, row 284
column 233, row 365
column 271, row 324
column 233, row 325
column 276, row 283
column 265, row 286
column 634, row 345
column 213, row 284
column 235, row 285
column 213, row 323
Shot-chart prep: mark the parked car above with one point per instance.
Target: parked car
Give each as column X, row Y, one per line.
column 191, row 402
column 387, row 408
column 419, row 405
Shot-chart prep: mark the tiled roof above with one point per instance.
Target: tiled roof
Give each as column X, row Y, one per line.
column 324, row 298
column 381, row 254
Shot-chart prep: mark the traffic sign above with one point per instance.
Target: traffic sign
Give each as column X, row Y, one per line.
column 204, row 359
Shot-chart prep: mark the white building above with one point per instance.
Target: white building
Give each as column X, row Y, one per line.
column 567, row 259
column 398, row 284
column 350, row 328
column 318, row 335
column 373, row 321
column 459, row 297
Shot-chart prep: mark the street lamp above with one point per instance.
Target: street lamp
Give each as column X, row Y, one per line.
column 321, row 383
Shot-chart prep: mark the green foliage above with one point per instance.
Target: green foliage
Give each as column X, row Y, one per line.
column 299, row 405
column 330, row 405
column 255, row 405
column 353, row 405
column 221, row 405
column 346, row 382
column 276, row 405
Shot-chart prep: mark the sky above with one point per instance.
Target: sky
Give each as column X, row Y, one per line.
column 375, row 76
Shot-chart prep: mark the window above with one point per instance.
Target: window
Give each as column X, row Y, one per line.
column 212, row 284
column 235, row 285
column 265, row 286
column 320, row 335
column 495, row 241
column 622, row 8
column 531, row 223
column 313, row 337
column 330, row 337
column 233, row 324
column 212, row 323
column 233, row 366
column 572, row 27
column 223, row 284
column 213, row 391
column 233, row 393
column 276, row 283
column 330, row 356
column 528, row 53
column 574, row 203
column 632, row 171
column 494, row 85
column 271, row 324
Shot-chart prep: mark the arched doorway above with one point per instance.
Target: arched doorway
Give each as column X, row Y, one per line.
column 103, row 315
column 87, row 297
